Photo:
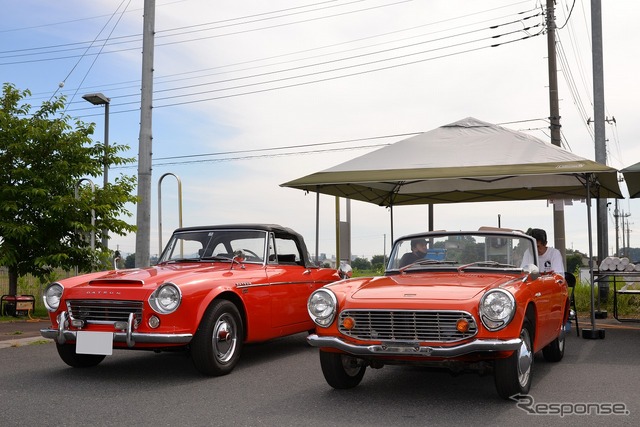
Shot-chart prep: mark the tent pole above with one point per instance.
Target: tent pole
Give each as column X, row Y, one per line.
column 338, row 232
column 391, row 216
column 317, row 227
column 592, row 333
column 430, row 217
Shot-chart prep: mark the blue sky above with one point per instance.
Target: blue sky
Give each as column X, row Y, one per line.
column 253, row 78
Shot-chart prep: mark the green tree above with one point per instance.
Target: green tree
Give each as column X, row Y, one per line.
column 361, row 264
column 574, row 261
column 130, row 261
column 46, row 160
column 379, row 262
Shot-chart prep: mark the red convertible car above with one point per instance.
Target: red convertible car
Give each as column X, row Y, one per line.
column 455, row 300
column 213, row 289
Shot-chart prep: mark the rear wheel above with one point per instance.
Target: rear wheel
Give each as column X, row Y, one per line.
column 69, row 356
column 342, row 371
column 216, row 346
column 513, row 374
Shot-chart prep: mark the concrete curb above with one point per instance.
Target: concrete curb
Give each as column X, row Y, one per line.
column 23, row 341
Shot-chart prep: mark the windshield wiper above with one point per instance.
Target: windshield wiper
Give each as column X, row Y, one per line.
column 426, row 262
column 486, row 264
column 178, row 260
column 216, row 258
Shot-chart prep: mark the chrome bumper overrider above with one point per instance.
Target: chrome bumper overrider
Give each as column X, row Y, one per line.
column 62, row 335
column 402, row 348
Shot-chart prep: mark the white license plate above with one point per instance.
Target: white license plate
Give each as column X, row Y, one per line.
column 94, row 343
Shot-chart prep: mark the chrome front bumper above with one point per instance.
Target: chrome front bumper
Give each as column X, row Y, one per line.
column 62, row 335
column 403, row 348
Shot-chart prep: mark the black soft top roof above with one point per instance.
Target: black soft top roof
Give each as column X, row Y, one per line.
column 247, row 226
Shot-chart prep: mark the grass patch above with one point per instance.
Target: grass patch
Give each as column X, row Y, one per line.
column 628, row 305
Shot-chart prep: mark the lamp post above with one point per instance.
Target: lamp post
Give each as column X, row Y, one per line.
column 100, row 99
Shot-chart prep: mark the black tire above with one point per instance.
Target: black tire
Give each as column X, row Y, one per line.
column 342, row 371
column 216, row 346
column 554, row 351
column 513, row 374
column 69, row 356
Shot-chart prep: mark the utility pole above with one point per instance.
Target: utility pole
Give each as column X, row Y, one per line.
column 623, row 241
column 554, row 120
column 598, row 120
column 616, row 214
column 628, row 239
column 143, row 218
column 600, row 141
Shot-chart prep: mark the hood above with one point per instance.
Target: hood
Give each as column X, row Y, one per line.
column 146, row 277
column 440, row 286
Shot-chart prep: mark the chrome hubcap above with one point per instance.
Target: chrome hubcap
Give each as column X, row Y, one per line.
column 525, row 358
column 224, row 338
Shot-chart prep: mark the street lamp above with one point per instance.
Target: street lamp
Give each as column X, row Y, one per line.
column 100, row 99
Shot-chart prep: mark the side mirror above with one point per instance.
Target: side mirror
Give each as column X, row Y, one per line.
column 532, row 270
column 345, row 271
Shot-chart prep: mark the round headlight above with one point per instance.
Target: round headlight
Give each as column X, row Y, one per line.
column 497, row 308
column 166, row 299
column 52, row 296
column 322, row 306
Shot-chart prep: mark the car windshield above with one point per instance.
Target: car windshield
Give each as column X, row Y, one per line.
column 216, row 245
column 463, row 250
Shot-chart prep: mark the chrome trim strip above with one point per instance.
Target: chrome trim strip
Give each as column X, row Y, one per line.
column 130, row 341
column 251, row 285
column 403, row 348
column 311, row 282
column 65, row 335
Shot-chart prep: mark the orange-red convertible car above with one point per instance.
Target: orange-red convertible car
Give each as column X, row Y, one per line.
column 213, row 289
column 456, row 300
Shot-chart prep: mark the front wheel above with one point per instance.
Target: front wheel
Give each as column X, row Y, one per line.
column 69, row 356
column 216, row 346
column 554, row 351
column 513, row 374
column 342, row 371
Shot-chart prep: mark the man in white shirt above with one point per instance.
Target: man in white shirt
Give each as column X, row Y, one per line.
column 549, row 259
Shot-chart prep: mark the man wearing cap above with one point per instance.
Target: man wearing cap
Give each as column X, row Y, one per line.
column 418, row 251
column 549, row 259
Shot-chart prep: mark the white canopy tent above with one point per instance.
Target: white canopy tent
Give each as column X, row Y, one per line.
column 632, row 178
column 467, row 161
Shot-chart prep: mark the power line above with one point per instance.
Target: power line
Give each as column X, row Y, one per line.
column 138, row 37
column 342, row 68
column 268, row 152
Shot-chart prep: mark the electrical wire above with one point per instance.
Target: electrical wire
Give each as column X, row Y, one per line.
column 342, row 68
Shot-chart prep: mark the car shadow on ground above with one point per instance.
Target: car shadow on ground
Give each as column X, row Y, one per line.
column 174, row 366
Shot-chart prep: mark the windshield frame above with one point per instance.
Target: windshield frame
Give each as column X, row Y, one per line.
column 204, row 245
column 495, row 249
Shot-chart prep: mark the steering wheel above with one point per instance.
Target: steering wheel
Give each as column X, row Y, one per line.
column 252, row 254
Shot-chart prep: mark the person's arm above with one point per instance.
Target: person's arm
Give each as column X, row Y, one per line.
column 557, row 264
column 527, row 258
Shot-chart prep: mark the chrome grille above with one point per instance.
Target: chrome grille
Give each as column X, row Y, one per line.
column 432, row 326
column 104, row 311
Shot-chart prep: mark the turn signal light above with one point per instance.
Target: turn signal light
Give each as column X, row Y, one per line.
column 462, row 325
column 154, row 322
column 348, row 323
